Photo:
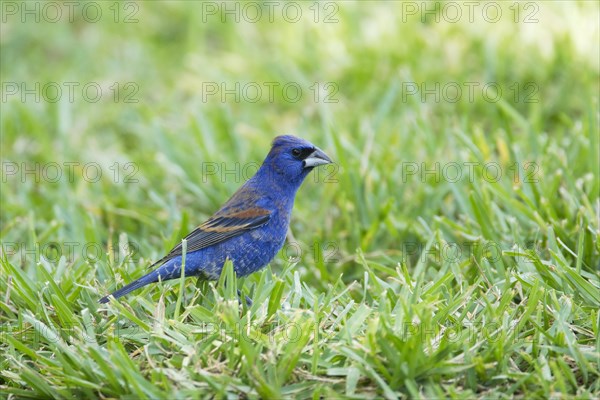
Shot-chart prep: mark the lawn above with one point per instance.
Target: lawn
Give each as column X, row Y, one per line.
column 452, row 250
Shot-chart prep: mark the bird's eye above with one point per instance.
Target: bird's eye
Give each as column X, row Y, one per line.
column 296, row 152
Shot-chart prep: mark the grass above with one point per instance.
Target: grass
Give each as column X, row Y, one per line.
column 403, row 278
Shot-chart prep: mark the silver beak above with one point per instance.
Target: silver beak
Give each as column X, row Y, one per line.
column 316, row 158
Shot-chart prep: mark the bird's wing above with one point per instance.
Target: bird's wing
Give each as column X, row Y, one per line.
column 230, row 221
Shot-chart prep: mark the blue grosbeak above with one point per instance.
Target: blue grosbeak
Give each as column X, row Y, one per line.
column 250, row 228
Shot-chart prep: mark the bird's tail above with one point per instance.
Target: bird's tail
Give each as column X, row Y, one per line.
column 143, row 281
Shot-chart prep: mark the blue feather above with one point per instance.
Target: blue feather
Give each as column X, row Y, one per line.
column 250, row 228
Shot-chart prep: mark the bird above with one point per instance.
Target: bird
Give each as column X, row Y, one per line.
column 250, row 228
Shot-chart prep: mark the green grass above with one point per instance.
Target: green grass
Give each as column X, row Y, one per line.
column 398, row 282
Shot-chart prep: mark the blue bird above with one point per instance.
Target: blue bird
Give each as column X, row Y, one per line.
column 250, row 228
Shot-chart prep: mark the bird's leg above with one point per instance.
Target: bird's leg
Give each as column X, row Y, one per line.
column 248, row 299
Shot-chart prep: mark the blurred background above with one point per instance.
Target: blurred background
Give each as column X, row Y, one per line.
column 465, row 190
column 141, row 118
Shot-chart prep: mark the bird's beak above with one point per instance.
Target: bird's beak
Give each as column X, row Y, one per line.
column 316, row 158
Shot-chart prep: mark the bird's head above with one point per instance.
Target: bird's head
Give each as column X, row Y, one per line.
column 292, row 158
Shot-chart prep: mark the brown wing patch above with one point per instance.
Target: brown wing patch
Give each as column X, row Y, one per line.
column 234, row 221
column 251, row 213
